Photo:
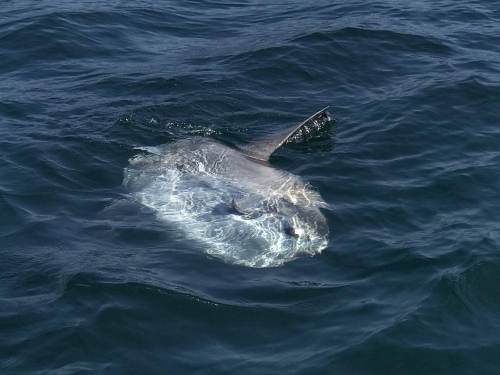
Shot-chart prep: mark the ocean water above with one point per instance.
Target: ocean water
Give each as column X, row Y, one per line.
column 410, row 169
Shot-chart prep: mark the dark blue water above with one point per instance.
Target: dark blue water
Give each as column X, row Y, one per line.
column 410, row 168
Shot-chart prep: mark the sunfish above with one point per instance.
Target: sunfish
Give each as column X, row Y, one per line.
column 232, row 201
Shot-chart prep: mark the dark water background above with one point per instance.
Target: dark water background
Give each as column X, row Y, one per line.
column 410, row 281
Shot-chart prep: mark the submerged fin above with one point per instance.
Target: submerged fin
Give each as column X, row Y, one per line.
column 232, row 208
column 247, row 214
column 226, row 209
column 262, row 149
column 235, row 208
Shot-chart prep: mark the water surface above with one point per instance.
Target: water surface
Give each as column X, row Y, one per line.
column 410, row 169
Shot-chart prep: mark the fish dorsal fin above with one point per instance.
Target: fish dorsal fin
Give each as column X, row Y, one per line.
column 261, row 149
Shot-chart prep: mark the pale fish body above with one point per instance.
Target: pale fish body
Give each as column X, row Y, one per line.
column 232, row 201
